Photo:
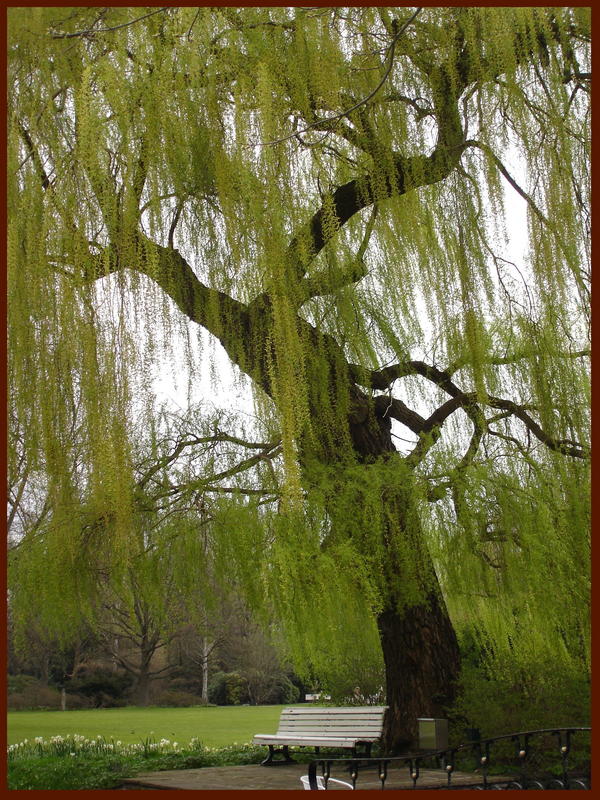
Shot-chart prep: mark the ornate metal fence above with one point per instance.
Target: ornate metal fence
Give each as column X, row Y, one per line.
column 540, row 759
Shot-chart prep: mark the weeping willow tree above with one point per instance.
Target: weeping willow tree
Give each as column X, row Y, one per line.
column 325, row 191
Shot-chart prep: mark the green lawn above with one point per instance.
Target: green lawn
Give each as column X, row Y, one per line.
column 213, row 726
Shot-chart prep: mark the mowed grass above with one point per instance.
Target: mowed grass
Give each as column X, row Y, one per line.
column 216, row 726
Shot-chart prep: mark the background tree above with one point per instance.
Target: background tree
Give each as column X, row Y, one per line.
column 138, row 608
column 197, row 647
column 248, row 649
column 135, row 630
column 321, row 190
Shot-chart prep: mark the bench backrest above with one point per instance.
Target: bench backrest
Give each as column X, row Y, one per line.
column 354, row 721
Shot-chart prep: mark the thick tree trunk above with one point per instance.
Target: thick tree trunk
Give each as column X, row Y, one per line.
column 419, row 645
column 142, row 689
column 144, row 677
column 422, row 660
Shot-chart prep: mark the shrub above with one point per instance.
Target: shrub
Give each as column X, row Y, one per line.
column 103, row 687
column 217, row 689
column 281, row 690
column 27, row 692
column 178, row 699
column 228, row 689
column 78, row 701
column 19, row 683
column 497, row 705
column 237, row 689
column 181, row 681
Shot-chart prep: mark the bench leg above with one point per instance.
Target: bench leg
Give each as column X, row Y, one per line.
column 271, row 762
column 359, row 756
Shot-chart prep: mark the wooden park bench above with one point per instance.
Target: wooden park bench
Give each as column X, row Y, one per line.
column 351, row 727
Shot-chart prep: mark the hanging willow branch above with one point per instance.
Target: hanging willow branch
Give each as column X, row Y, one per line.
column 140, row 210
column 398, row 31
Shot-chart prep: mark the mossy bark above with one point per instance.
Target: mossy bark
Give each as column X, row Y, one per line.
column 419, row 645
column 418, row 641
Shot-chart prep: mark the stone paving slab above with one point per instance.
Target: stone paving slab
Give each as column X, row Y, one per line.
column 254, row 776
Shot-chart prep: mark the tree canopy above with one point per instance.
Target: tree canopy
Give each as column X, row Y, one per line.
column 325, row 191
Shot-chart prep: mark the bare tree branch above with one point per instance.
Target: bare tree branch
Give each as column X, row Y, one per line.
column 92, row 31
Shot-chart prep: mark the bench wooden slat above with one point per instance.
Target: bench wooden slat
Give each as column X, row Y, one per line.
column 351, row 729
column 316, row 741
column 320, row 711
column 348, row 723
column 306, row 723
column 328, row 721
column 328, row 728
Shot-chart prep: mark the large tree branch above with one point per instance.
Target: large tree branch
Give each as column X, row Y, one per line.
column 448, row 81
column 385, row 377
column 429, row 429
column 268, row 495
column 230, row 320
column 14, row 497
column 564, row 446
column 92, row 31
column 395, row 409
column 33, row 153
column 432, row 427
column 221, row 314
column 514, row 358
column 350, row 198
column 408, row 173
column 167, row 267
column 331, row 279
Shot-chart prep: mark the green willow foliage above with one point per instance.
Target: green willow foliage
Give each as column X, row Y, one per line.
column 325, row 191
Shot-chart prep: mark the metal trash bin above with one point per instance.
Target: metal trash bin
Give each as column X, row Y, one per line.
column 433, row 733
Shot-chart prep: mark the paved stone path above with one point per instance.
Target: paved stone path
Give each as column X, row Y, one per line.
column 281, row 777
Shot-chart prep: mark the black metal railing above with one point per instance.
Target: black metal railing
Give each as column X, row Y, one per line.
column 540, row 759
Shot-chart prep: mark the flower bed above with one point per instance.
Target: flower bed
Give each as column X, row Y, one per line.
column 79, row 762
